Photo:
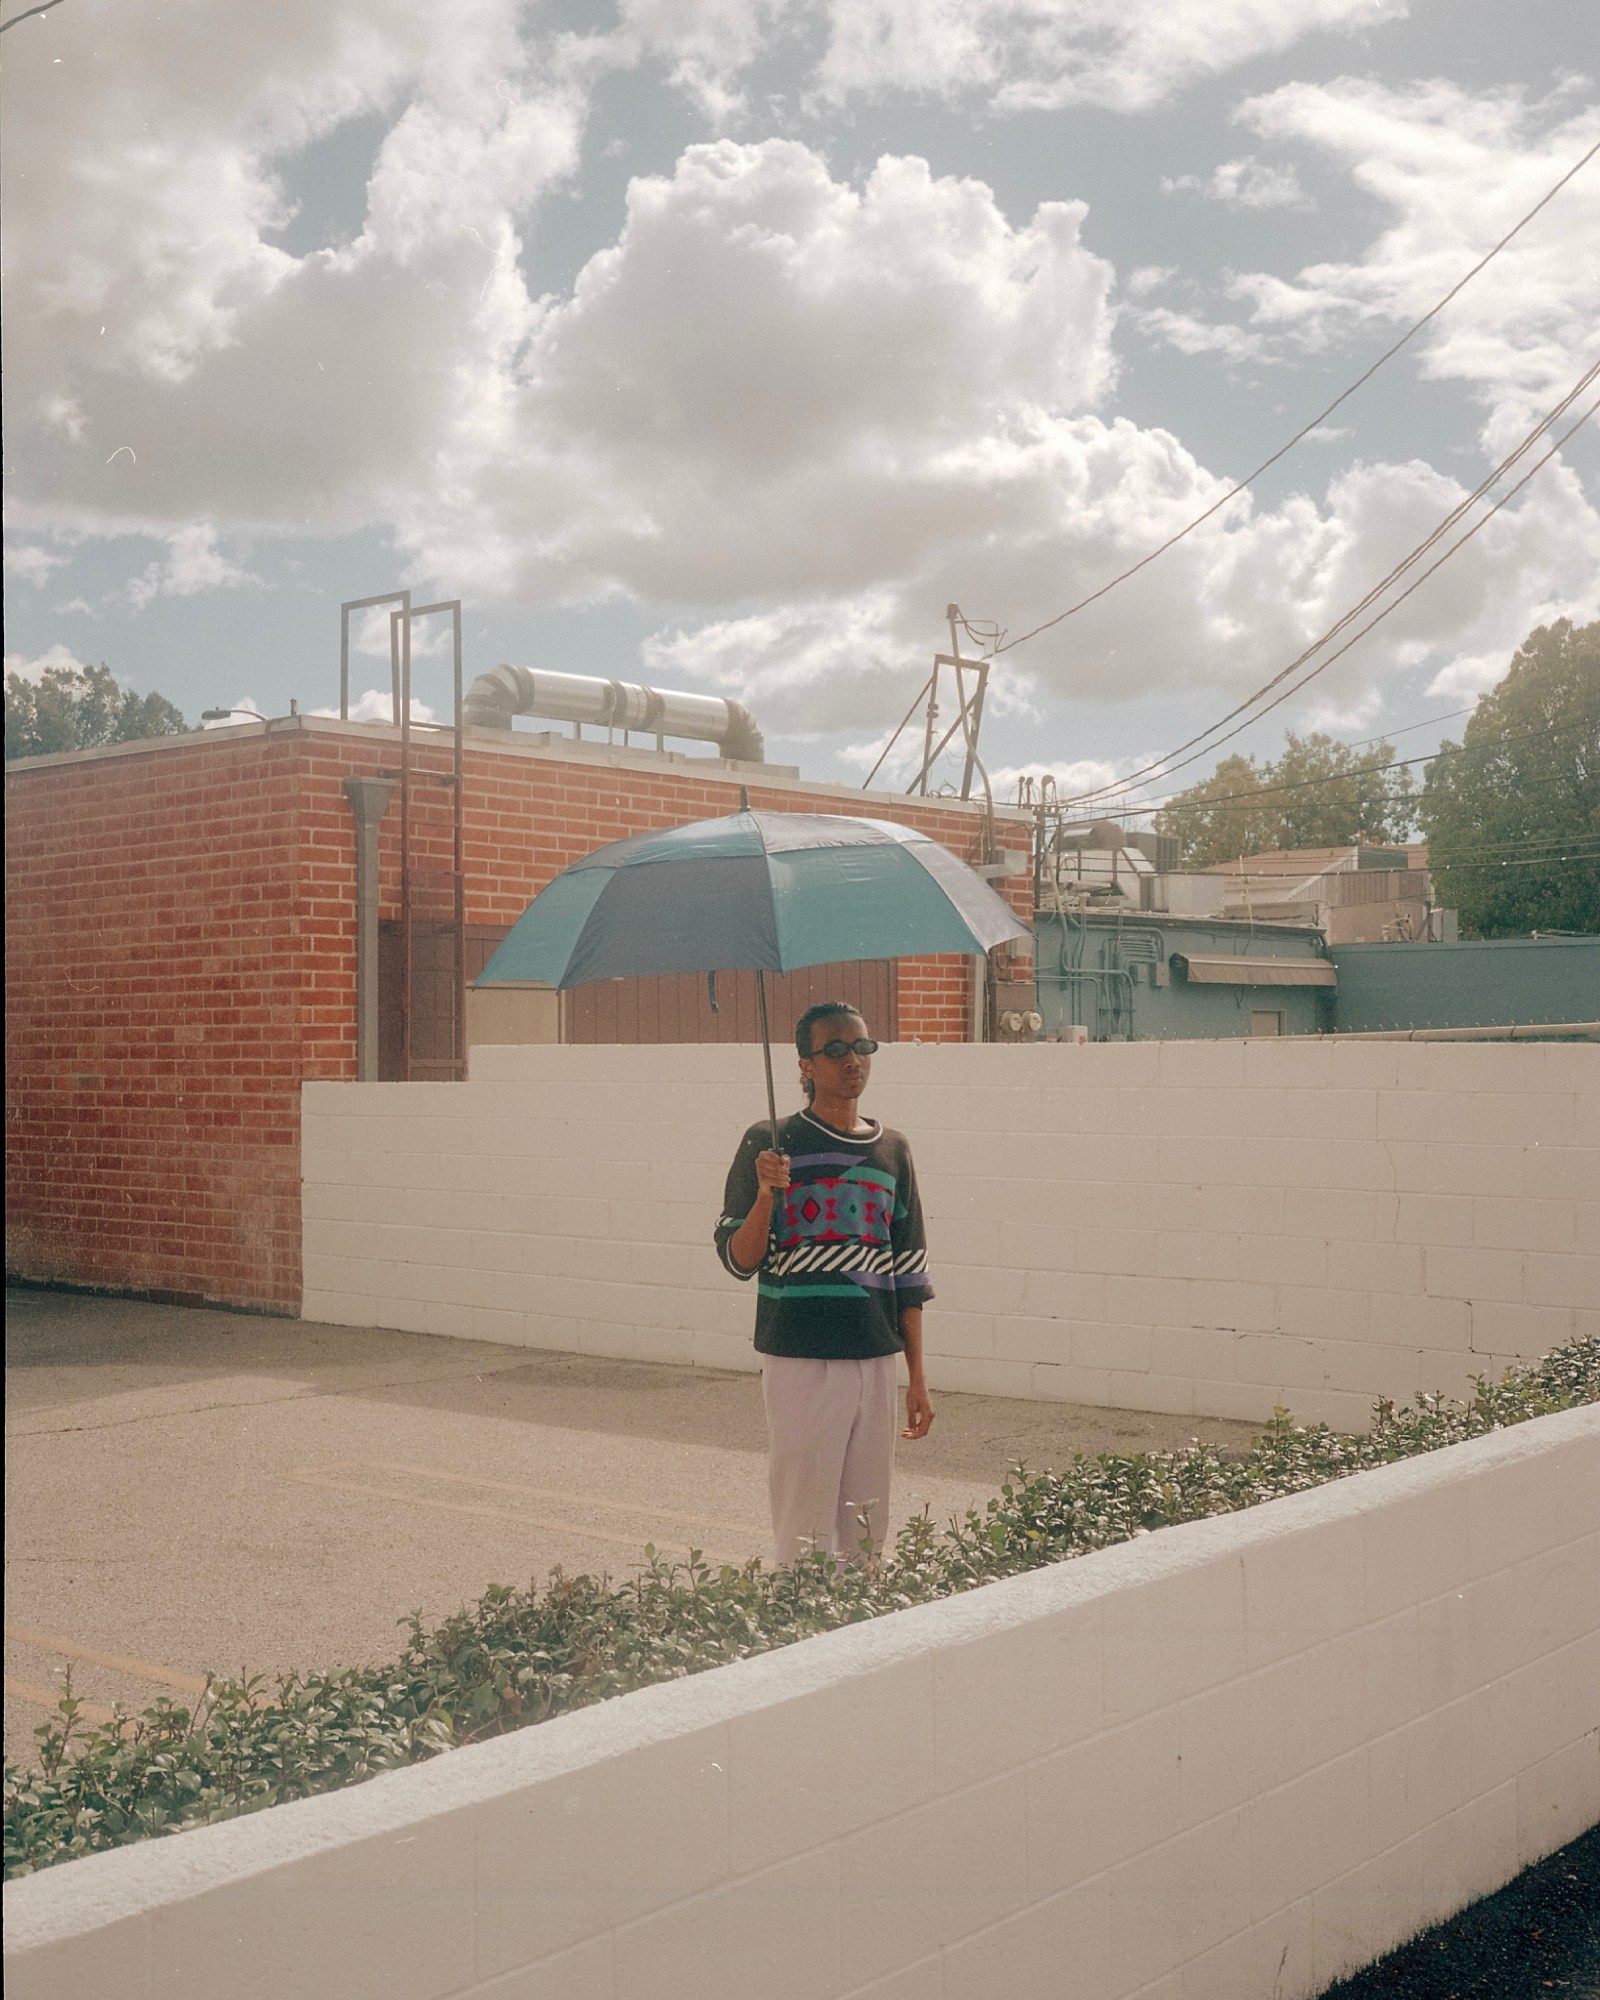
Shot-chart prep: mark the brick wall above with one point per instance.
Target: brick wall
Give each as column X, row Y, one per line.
column 180, row 957
column 155, row 1015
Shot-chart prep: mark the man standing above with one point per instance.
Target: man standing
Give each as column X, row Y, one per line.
column 832, row 1222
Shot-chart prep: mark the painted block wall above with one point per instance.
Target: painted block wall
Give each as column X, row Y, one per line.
column 1230, row 1761
column 1209, row 1228
column 1478, row 983
column 180, row 957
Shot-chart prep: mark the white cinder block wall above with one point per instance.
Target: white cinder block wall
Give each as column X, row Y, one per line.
column 1209, row 1228
column 1230, row 1761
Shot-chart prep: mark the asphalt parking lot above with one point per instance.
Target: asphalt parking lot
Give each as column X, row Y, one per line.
column 191, row 1490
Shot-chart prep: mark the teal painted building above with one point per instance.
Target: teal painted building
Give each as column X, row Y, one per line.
column 1479, row 983
column 1146, row 976
column 1149, row 977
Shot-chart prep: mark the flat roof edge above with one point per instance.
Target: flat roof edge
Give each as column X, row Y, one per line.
column 785, row 777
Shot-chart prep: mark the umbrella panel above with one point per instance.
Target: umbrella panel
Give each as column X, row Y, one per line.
column 678, row 916
column 712, row 897
column 541, row 942
column 862, row 902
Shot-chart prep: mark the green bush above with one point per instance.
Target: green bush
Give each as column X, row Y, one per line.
column 520, row 1656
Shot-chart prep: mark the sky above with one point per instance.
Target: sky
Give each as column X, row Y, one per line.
column 724, row 343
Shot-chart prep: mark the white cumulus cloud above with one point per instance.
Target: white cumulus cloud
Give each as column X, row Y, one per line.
column 793, row 413
column 1246, row 183
column 29, row 563
column 57, row 658
column 193, row 563
column 378, row 705
column 1454, row 171
column 1046, row 54
column 168, row 363
column 773, row 382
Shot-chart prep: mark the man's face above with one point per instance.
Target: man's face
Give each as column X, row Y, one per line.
column 838, row 1076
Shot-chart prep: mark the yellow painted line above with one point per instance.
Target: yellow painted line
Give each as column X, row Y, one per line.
column 38, row 1697
column 579, row 1530
column 563, row 1496
column 117, row 1663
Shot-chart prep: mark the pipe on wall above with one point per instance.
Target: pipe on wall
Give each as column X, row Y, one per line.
column 369, row 800
column 504, row 691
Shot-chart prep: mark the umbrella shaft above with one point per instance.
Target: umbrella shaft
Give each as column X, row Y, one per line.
column 766, row 1054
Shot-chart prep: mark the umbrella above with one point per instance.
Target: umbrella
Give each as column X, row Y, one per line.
column 768, row 892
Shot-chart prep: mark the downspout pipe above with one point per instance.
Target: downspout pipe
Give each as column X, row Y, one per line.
column 369, row 800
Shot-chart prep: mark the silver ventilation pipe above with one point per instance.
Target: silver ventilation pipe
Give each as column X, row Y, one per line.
column 495, row 697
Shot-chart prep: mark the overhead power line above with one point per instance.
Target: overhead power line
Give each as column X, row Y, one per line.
column 1306, row 429
column 1170, row 803
column 1576, row 847
column 1174, row 760
column 1371, row 596
column 1405, row 729
column 1525, row 861
column 1409, row 728
column 28, row 14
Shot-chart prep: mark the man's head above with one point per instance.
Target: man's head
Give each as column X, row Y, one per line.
column 835, row 1024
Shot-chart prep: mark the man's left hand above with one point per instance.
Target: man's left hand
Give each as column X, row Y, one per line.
column 919, row 1411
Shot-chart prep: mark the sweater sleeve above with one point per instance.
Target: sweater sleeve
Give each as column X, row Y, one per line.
column 908, row 1241
column 738, row 1197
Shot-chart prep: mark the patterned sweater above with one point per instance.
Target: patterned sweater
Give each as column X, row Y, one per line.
column 846, row 1255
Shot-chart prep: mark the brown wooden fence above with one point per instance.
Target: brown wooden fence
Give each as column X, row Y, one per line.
column 675, row 1007
column 670, row 1007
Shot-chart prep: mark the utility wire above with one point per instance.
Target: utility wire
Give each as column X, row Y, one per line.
column 1408, row 728
column 1364, row 603
column 1174, row 761
column 1361, row 743
column 1405, row 729
column 28, row 14
column 1305, row 430
column 1581, row 847
column 1534, row 861
column 1331, row 778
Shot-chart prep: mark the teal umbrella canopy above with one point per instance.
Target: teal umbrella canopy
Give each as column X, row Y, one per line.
column 768, row 892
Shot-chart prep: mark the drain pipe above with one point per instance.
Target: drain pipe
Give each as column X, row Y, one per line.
column 369, row 799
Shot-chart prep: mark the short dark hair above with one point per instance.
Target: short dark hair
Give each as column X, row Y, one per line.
column 824, row 1010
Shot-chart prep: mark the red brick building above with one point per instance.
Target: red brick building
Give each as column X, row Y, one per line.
column 181, row 920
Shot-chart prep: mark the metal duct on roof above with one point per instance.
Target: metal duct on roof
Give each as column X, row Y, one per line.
column 495, row 697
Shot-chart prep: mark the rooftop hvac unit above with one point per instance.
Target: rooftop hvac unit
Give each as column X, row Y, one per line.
column 1162, row 849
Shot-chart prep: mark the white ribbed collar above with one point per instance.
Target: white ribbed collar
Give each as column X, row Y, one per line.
column 850, row 1138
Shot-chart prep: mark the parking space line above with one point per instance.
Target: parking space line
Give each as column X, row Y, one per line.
column 118, row 1663
column 561, row 1495
column 308, row 1476
column 40, row 1697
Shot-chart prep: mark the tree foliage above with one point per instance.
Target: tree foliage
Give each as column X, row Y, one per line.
column 1319, row 793
column 1512, row 812
column 80, row 708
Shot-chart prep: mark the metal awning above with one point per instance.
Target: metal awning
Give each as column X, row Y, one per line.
column 1215, row 971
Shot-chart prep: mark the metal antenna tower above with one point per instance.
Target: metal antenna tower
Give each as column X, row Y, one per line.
column 969, row 697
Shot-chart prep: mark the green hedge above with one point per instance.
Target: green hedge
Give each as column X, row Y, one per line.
column 520, row 1656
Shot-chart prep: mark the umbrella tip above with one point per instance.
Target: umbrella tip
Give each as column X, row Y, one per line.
column 744, row 798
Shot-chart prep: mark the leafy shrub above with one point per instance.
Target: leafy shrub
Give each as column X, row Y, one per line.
column 520, row 1656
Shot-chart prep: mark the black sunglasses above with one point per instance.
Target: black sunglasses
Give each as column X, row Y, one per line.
column 837, row 1051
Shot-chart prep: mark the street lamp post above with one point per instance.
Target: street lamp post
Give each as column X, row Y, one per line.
column 255, row 715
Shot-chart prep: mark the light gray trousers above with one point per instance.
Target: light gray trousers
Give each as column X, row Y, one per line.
column 830, row 1428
